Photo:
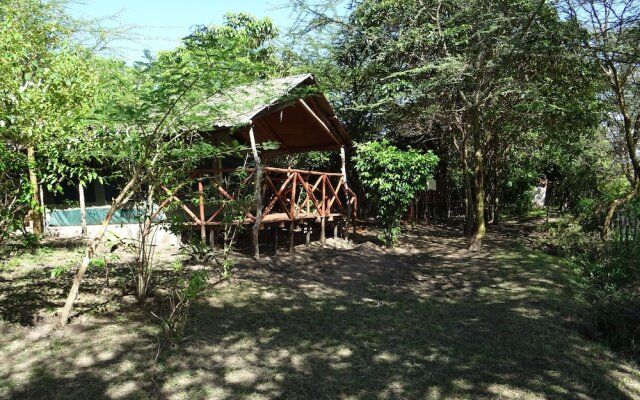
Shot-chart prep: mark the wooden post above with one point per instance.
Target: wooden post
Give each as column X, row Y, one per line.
column 308, row 237
column 294, row 184
column 292, row 247
column 275, row 233
column 212, row 238
column 343, row 157
column 335, row 231
column 83, row 210
column 203, row 227
column 323, row 239
column 255, row 232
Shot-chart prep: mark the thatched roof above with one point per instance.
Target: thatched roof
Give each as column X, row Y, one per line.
column 289, row 110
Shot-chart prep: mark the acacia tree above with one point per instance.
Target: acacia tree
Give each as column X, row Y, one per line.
column 166, row 104
column 612, row 35
column 474, row 75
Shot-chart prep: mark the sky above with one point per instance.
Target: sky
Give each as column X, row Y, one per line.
column 160, row 24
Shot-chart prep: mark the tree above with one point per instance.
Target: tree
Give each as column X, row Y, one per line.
column 611, row 40
column 47, row 84
column 157, row 125
column 474, row 75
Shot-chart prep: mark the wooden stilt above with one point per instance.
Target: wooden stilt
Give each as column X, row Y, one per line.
column 323, row 239
column 275, row 234
column 335, row 231
column 255, row 232
column 343, row 158
column 212, row 240
column 203, row 227
column 292, row 247
column 308, row 237
column 83, row 210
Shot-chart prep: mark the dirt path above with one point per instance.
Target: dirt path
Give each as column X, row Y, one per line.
column 427, row 320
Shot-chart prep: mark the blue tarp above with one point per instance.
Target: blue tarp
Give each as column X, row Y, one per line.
column 95, row 216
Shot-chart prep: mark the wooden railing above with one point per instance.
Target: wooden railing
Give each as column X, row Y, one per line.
column 288, row 195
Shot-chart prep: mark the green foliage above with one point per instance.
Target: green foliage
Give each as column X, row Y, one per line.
column 610, row 271
column 197, row 252
column 98, row 263
column 392, row 177
column 59, row 270
column 15, row 200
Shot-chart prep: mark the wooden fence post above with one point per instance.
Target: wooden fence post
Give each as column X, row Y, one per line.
column 346, row 191
column 255, row 232
column 323, row 214
column 203, row 228
column 292, row 237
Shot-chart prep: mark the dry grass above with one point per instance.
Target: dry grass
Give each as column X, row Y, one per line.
column 425, row 321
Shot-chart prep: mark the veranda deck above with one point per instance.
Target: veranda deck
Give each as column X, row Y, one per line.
column 289, row 195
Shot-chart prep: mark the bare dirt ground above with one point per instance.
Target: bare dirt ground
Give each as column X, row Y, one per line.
column 426, row 320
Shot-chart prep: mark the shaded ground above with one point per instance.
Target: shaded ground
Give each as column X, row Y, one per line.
column 428, row 320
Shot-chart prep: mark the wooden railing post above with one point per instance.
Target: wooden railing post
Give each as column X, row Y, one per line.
column 343, row 157
column 203, row 228
column 323, row 239
column 294, row 184
column 255, row 232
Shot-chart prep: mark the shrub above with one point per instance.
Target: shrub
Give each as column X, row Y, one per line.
column 391, row 178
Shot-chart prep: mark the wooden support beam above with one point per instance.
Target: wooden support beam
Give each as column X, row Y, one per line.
column 316, row 108
column 212, row 238
column 255, row 232
column 203, row 228
column 270, row 169
column 294, row 185
column 343, row 158
column 261, row 123
column 275, row 234
column 323, row 212
column 292, row 235
column 319, row 120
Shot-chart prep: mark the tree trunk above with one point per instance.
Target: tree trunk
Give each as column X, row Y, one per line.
column 36, row 213
column 91, row 249
column 255, row 232
column 613, row 206
column 145, row 251
column 468, row 188
column 479, row 227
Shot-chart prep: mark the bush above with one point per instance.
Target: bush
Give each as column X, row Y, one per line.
column 391, row 178
column 15, row 201
column 610, row 272
column 617, row 318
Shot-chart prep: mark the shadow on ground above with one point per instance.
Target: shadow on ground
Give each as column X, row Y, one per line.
column 428, row 320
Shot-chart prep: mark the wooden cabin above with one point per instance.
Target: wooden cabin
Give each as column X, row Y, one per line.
column 273, row 118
